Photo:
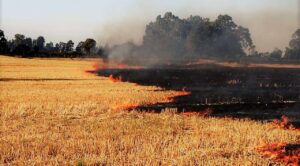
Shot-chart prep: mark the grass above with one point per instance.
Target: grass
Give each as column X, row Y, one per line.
column 53, row 113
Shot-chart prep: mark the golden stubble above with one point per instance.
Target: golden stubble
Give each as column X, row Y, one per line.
column 53, row 113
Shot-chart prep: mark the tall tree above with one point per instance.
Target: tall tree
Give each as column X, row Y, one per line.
column 89, row 45
column 20, row 45
column 276, row 53
column 293, row 51
column 40, row 43
column 49, row 47
column 28, row 42
column 19, row 39
column 3, row 43
column 69, row 46
column 62, row 47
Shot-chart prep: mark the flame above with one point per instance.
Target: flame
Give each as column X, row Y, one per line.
column 282, row 152
column 204, row 113
column 171, row 97
column 127, row 106
column 118, row 79
column 118, row 66
column 283, row 124
column 96, row 66
column 182, row 93
column 101, row 65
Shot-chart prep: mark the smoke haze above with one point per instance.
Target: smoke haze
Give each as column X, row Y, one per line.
column 270, row 26
column 271, row 22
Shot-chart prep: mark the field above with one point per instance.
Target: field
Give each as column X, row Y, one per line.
column 260, row 93
column 52, row 112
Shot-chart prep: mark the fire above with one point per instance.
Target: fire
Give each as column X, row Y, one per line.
column 119, row 66
column 118, row 79
column 289, row 154
column 96, row 66
column 101, row 65
column 183, row 92
column 282, row 152
column 204, row 113
column 283, row 124
column 126, row 107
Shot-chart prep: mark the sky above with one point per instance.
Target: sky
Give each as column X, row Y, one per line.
column 271, row 22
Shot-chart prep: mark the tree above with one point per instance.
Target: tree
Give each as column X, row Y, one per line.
column 171, row 38
column 103, row 52
column 229, row 40
column 89, row 45
column 19, row 39
column 20, row 47
column 40, row 43
column 62, row 47
column 277, row 53
column 79, row 47
column 293, row 51
column 1, row 34
column 3, row 43
column 28, row 42
column 69, row 46
column 295, row 42
column 49, row 47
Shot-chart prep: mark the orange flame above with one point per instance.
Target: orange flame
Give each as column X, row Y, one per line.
column 126, row 107
column 118, row 66
column 183, row 92
column 282, row 152
column 283, row 124
column 118, row 79
column 96, row 66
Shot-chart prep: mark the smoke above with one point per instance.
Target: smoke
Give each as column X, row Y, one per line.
column 270, row 26
column 172, row 40
column 122, row 30
column 270, row 29
column 298, row 13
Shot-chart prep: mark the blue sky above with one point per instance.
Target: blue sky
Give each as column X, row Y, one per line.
column 115, row 21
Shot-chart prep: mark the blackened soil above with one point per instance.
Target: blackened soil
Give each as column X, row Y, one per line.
column 255, row 93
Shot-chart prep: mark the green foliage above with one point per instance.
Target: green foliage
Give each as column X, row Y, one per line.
column 3, row 43
column 277, row 53
column 170, row 39
column 89, row 45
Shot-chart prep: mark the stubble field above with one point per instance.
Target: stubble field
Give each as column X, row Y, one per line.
column 54, row 113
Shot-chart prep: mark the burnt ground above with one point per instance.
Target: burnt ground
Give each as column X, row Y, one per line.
column 256, row 93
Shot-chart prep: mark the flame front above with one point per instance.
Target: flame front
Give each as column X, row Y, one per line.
column 283, row 124
column 119, row 66
column 282, row 152
column 183, row 92
column 118, row 79
column 289, row 154
column 126, row 107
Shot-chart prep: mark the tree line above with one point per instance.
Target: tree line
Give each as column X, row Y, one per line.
column 28, row 47
column 167, row 39
column 170, row 39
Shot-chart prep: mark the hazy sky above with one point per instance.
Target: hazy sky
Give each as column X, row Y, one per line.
column 271, row 22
